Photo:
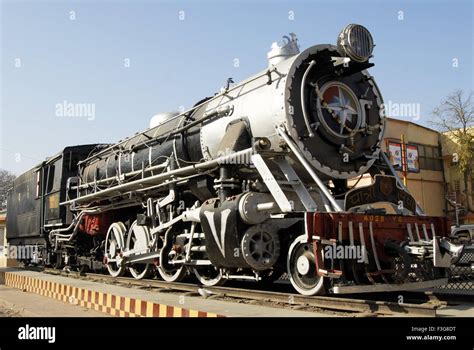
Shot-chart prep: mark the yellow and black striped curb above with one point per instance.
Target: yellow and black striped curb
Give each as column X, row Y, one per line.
column 111, row 304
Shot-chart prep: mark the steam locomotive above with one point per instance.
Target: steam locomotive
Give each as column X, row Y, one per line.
column 253, row 183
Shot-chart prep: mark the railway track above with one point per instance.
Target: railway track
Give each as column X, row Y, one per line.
column 356, row 307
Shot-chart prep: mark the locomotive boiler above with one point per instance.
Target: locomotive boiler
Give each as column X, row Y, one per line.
column 254, row 183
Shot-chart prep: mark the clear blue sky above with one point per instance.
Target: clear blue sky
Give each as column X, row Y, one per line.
column 177, row 62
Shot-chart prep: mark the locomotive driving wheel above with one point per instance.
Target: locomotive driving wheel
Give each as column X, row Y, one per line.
column 301, row 266
column 114, row 245
column 170, row 253
column 138, row 240
column 209, row 275
column 173, row 274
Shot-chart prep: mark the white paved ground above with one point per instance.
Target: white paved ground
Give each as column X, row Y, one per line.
column 225, row 308
column 14, row 302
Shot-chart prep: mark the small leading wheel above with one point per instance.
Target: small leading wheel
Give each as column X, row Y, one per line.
column 209, row 276
column 138, row 240
column 114, row 246
column 301, row 266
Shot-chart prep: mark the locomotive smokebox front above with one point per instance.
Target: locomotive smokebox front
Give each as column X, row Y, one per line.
column 324, row 97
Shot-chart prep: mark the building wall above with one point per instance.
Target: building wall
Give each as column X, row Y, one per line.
column 456, row 186
column 4, row 261
column 3, row 240
column 431, row 187
column 427, row 186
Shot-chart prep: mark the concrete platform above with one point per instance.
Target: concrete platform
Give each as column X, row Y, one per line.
column 131, row 302
column 24, row 304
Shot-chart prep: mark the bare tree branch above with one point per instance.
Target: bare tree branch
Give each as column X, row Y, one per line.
column 455, row 117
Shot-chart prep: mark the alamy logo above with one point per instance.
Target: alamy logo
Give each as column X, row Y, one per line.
column 37, row 333
column 229, row 156
column 345, row 252
column 401, row 110
column 75, row 110
column 23, row 252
